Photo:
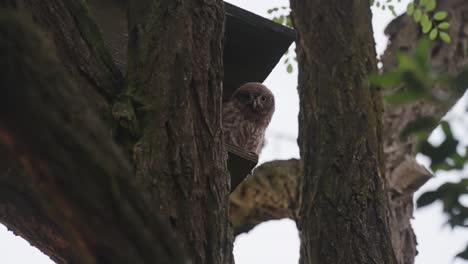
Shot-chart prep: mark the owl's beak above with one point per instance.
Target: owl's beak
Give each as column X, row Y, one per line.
column 256, row 104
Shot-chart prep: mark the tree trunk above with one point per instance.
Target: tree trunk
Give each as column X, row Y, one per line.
column 175, row 80
column 343, row 203
column 167, row 118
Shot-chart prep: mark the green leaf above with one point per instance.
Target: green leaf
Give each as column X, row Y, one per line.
column 289, row 69
column 403, row 97
column 441, row 15
column 460, row 82
column 431, row 5
column 426, row 24
column 433, row 34
column 289, row 22
column 416, row 84
column 444, row 25
column 445, row 37
column 423, row 2
column 387, row 79
column 405, row 62
column 439, row 154
column 463, row 254
column 446, row 128
column 281, row 19
column 427, row 198
column 392, row 9
column 417, row 15
column 272, row 10
column 426, row 28
column 425, row 19
column 423, row 124
column 422, row 54
column 410, row 9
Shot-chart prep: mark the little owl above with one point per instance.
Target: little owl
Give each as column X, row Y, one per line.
column 246, row 116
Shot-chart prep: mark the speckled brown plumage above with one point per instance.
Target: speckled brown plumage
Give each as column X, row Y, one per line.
column 246, row 116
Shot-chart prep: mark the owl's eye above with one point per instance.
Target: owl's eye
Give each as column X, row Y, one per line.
column 244, row 97
column 263, row 99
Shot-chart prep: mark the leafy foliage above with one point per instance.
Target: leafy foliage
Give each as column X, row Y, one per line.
column 449, row 194
column 414, row 80
column 282, row 15
column 431, row 23
column 384, row 5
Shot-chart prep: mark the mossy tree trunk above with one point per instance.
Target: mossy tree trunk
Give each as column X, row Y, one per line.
column 166, row 117
column 343, row 206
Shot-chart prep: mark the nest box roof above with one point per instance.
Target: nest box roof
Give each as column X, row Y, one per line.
column 253, row 47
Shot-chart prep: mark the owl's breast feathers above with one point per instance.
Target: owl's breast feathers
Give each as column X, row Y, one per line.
column 243, row 128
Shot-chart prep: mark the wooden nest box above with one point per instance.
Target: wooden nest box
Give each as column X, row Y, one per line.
column 253, row 47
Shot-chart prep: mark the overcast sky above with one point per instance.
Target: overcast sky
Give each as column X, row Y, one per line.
column 277, row 242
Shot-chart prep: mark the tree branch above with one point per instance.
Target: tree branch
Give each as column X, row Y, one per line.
column 22, row 212
column 270, row 193
column 74, row 39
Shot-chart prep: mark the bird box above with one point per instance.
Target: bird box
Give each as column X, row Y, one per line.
column 253, row 46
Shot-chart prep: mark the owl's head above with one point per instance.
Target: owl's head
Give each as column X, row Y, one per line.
column 257, row 97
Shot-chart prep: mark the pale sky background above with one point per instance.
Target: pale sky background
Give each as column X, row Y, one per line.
column 277, row 242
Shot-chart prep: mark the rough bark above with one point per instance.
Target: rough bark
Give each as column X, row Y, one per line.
column 175, row 82
column 85, row 183
column 21, row 211
column 73, row 38
column 342, row 189
column 78, row 45
column 404, row 176
column 172, row 113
